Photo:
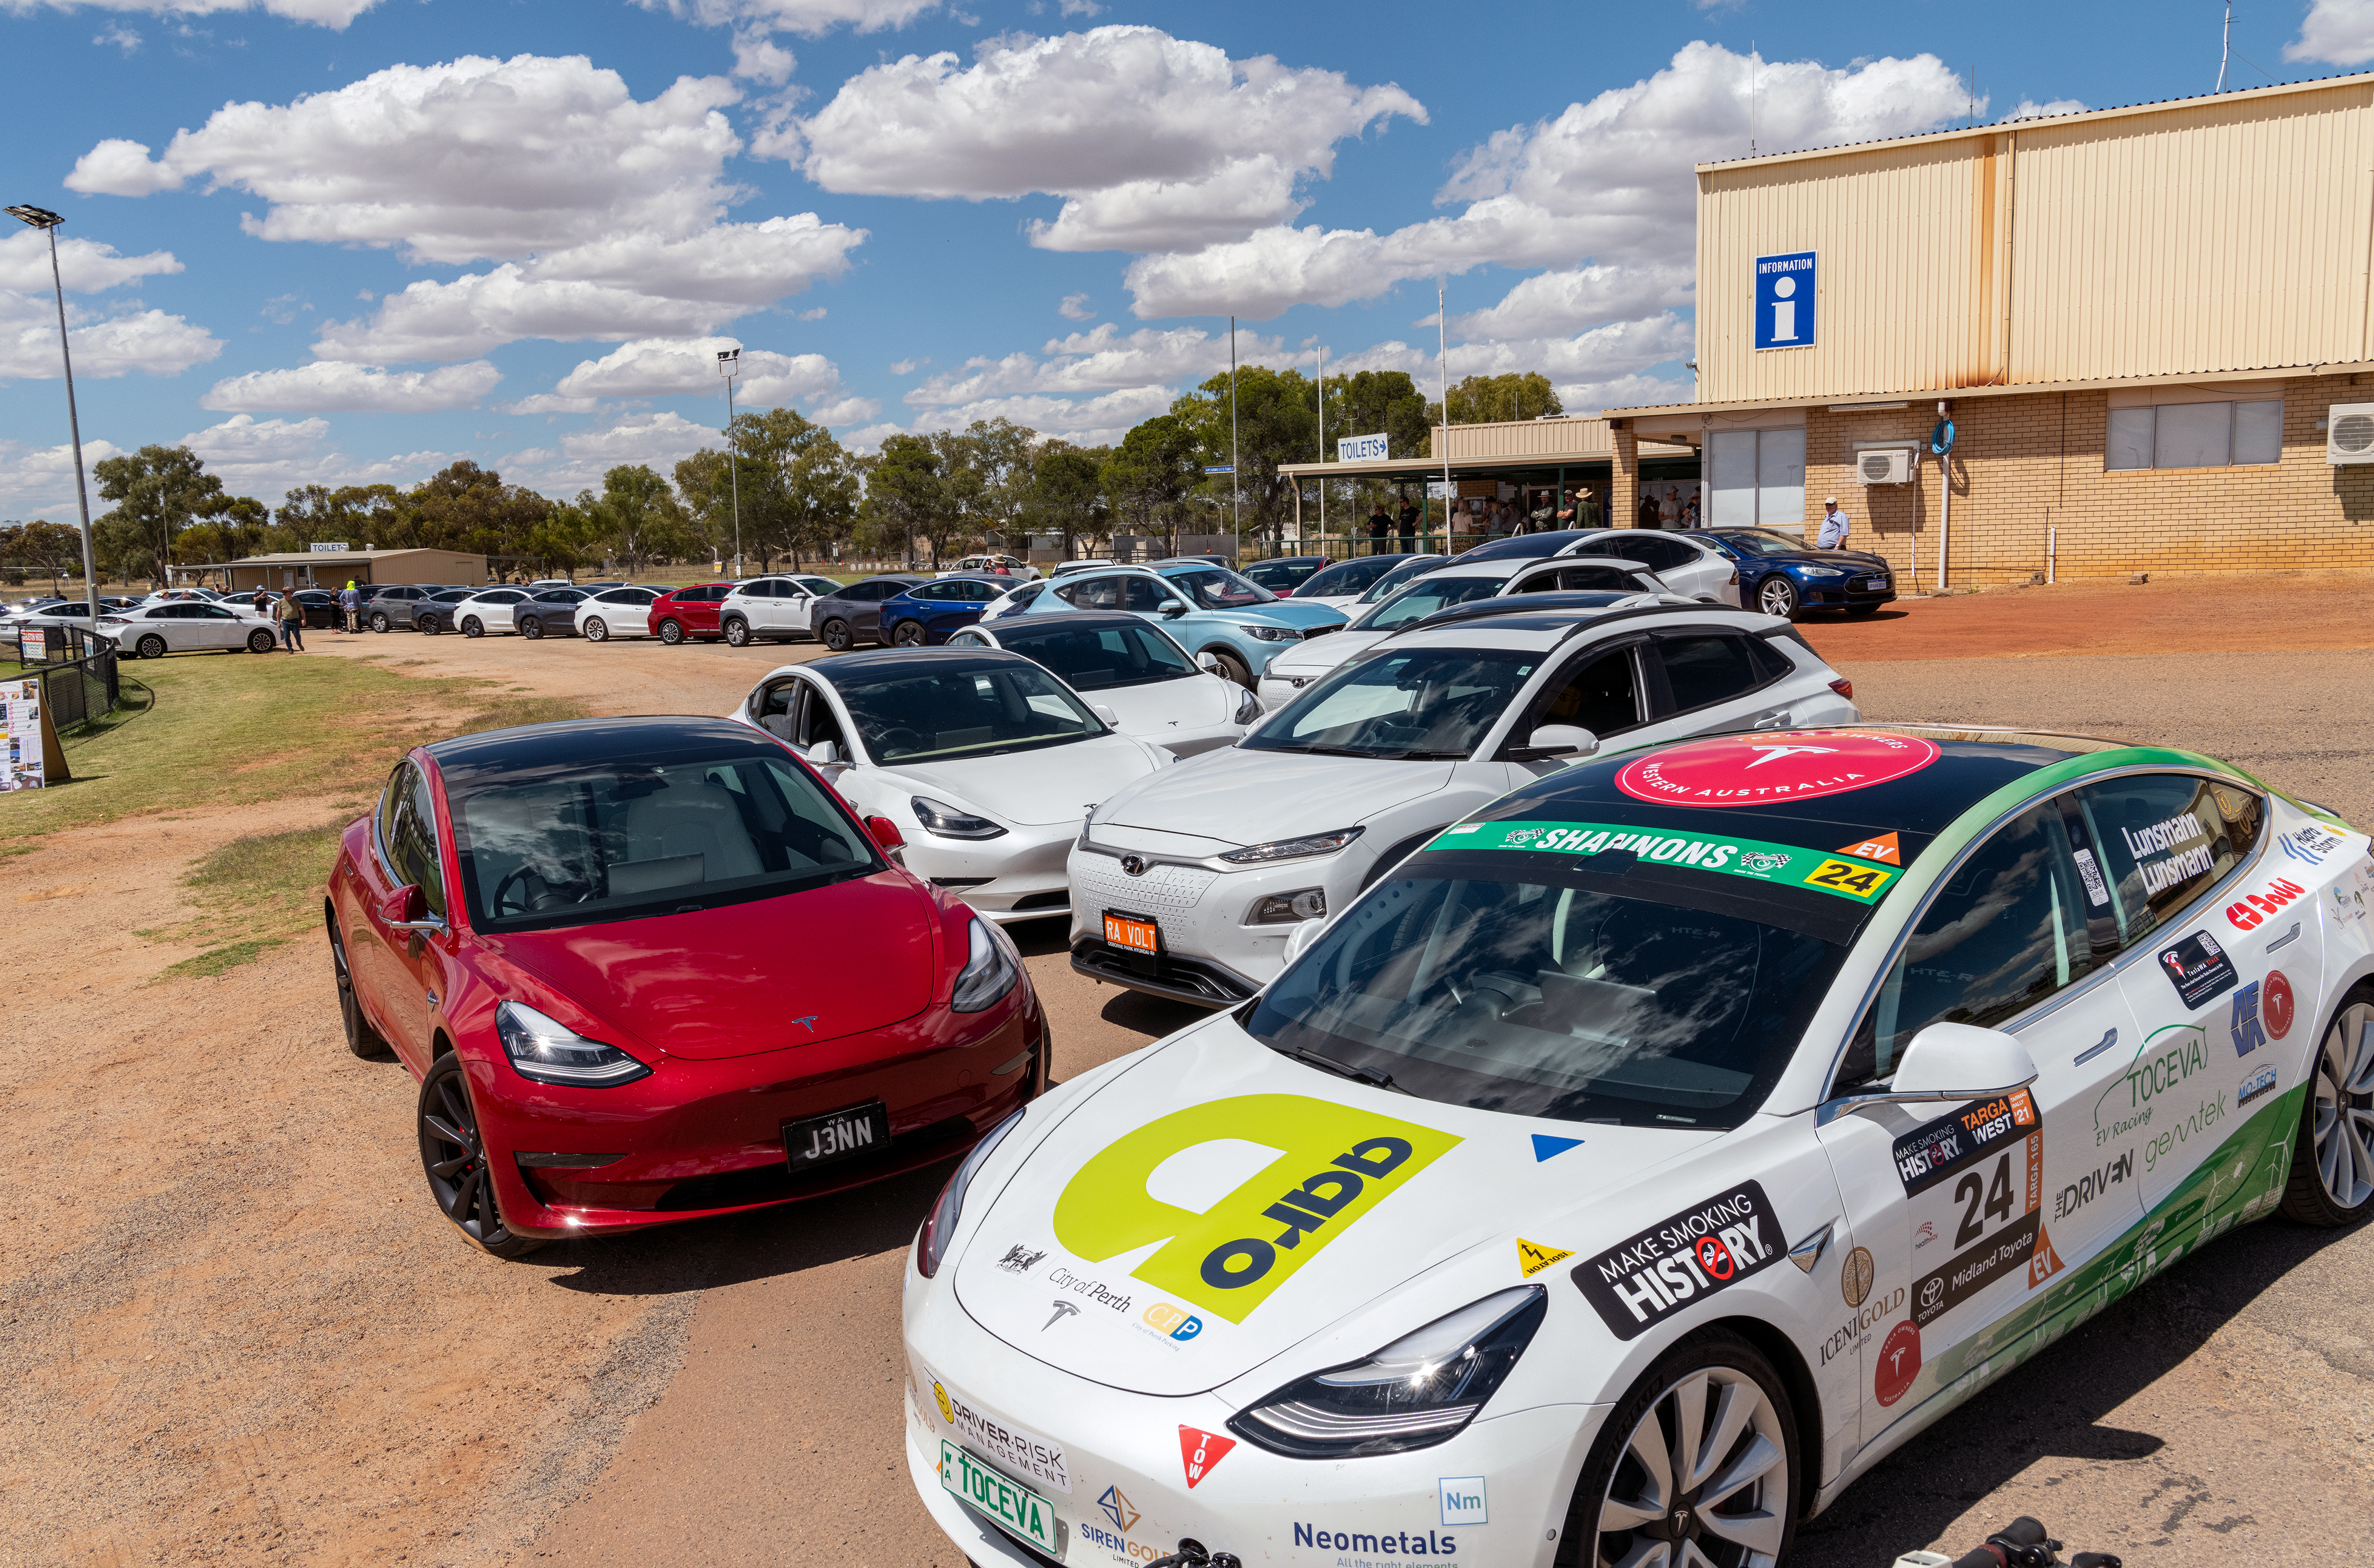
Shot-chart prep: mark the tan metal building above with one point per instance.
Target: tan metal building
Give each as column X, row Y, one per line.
column 332, row 569
column 2136, row 319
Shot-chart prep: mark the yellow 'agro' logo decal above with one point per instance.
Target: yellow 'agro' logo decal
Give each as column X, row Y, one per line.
column 1334, row 1164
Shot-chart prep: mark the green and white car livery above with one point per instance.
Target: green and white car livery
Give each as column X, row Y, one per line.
column 1650, row 1155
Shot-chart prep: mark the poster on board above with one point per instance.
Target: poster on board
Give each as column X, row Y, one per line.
column 23, row 764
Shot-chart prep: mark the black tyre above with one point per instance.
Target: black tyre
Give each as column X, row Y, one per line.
column 361, row 1038
column 150, row 647
column 473, row 627
column 1862, row 612
column 2332, row 1165
column 596, row 629
column 530, row 628
column 379, row 621
column 835, row 636
column 1235, row 668
column 737, row 631
column 909, row 635
column 1635, row 1501
column 671, row 633
column 428, row 626
column 1777, row 595
column 259, row 641
column 455, row 1162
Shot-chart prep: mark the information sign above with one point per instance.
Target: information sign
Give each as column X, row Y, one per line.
column 1785, row 292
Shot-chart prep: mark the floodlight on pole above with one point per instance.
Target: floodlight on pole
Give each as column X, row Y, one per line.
column 729, row 365
column 48, row 221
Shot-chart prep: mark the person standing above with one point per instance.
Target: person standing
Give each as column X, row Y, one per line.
column 1835, row 526
column 1409, row 527
column 289, row 611
column 1646, row 517
column 350, row 601
column 1380, row 524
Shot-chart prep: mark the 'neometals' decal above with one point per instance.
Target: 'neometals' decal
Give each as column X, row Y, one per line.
column 1754, row 770
column 1707, row 1247
column 1787, row 866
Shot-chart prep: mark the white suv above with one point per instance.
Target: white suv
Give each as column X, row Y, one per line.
column 768, row 609
column 1187, row 883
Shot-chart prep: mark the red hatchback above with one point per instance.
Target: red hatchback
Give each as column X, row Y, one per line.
column 689, row 613
column 650, row 969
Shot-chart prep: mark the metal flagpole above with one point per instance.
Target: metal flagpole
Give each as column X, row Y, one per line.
column 729, row 365
column 1322, row 439
column 1442, row 374
column 1236, row 484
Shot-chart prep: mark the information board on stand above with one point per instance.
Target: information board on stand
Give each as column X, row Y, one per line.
column 33, row 758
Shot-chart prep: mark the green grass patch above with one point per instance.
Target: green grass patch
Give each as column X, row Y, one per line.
column 250, row 895
column 235, row 729
column 218, row 961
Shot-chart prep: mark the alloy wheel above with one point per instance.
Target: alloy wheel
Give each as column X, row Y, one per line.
column 909, row 635
column 259, row 641
column 361, row 1038
column 1703, row 1481
column 2343, row 1120
column 1777, row 595
column 737, row 633
column 596, row 631
column 473, row 627
column 453, row 1157
column 430, row 626
column 531, row 629
column 835, row 636
column 151, row 647
column 379, row 621
column 671, row 633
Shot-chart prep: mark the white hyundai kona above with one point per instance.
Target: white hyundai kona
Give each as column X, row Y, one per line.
column 1647, row 1157
column 1188, row 883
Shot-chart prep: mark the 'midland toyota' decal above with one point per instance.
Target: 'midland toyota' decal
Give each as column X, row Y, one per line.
column 1707, row 1247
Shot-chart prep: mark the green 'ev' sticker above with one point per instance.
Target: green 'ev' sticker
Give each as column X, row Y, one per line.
column 1335, row 1164
column 1823, row 871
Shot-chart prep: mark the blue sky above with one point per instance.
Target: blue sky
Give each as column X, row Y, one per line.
column 351, row 240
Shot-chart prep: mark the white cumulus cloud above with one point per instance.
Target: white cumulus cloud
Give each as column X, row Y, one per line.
column 1088, row 421
column 327, row 13
column 653, row 366
column 150, row 342
column 86, row 265
column 267, row 458
column 1609, row 181
column 658, row 439
column 810, row 18
column 1104, row 360
column 607, row 215
column 2339, row 30
column 1553, row 302
column 40, row 481
column 1155, row 141
column 330, row 386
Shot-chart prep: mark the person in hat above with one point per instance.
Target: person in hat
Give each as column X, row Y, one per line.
column 350, row 599
column 1835, row 526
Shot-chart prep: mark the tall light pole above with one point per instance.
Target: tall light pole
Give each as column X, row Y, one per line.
column 47, row 221
column 729, row 365
column 1442, row 374
column 1236, row 481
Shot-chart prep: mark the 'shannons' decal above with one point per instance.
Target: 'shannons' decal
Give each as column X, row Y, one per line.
column 1707, row 1247
column 1789, row 865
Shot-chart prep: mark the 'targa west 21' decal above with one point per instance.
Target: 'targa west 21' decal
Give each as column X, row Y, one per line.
column 1706, row 1248
column 1335, row 1164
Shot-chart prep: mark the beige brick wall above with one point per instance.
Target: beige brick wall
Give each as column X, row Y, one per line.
column 2022, row 465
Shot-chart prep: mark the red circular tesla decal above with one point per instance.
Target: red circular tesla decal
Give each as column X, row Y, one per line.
column 1750, row 769
column 1898, row 1364
column 2275, row 1004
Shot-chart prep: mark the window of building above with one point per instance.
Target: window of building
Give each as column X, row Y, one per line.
column 2196, row 435
column 1759, row 478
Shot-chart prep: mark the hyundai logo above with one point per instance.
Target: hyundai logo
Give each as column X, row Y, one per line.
column 1133, row 864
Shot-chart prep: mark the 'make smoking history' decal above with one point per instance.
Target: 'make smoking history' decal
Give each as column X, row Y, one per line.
column 1707, row 1247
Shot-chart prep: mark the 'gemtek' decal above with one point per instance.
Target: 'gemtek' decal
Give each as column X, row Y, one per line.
column 1335, row 1164
column 1774, row 765
column 1788, row 865
column 1706, row 1248
column 2199, row 969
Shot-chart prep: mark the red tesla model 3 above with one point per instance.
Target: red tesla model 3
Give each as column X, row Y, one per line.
column 653, row 969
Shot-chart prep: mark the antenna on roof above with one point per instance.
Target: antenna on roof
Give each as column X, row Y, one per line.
column 1751, row 98
column 2225, row 45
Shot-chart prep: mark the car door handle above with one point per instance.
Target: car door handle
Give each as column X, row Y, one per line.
column 1775, row 719
column 2109, row 1038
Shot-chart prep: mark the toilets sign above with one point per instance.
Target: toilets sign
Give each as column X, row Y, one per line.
column 1784, row 301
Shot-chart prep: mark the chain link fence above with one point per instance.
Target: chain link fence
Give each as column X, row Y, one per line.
column 76, row 670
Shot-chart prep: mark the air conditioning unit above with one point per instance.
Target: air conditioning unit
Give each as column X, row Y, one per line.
column 1884, row 466
column 2349, row 433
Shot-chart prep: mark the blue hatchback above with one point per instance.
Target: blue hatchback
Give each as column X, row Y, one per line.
column 925, row 613
column 1779, row 574
column 1208, row 608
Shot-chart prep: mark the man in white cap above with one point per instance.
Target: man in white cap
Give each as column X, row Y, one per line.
column 1834, row 527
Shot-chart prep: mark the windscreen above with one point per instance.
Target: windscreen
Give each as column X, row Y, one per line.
column 1213, row 588
column 964, row 709
column 1385, row 588
column 1759, row 541
column 582, row 843
column 1415, row 704
column 1552, row 999
column 1424, row 598
column 1095, row 658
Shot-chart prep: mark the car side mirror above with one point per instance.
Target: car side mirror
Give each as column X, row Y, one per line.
column 407, row 909
column 1174, row 606
column 1209, row 664
column 823, row 754
column 1948, row 1061
column 1560, row 740
column 1105, row 713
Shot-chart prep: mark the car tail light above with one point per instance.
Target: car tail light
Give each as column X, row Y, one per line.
column 1844, row 688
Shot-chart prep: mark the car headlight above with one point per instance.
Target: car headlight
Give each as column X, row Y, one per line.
column 1292, row 849
column 546, row 1052
column 1290, row 908
column 1270, row 634
column 1821, row 572
column 1249, row 707
column 940, row 1225
column 1418, row 1391
column 989, row 973
column 940, row 818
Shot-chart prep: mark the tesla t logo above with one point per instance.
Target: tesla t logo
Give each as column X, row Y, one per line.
column 1774, row 753
column 1062, row 1311
column 808, row 1022
column 1133, row 864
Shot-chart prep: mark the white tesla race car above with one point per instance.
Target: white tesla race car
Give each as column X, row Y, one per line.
column 1647, row 1156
